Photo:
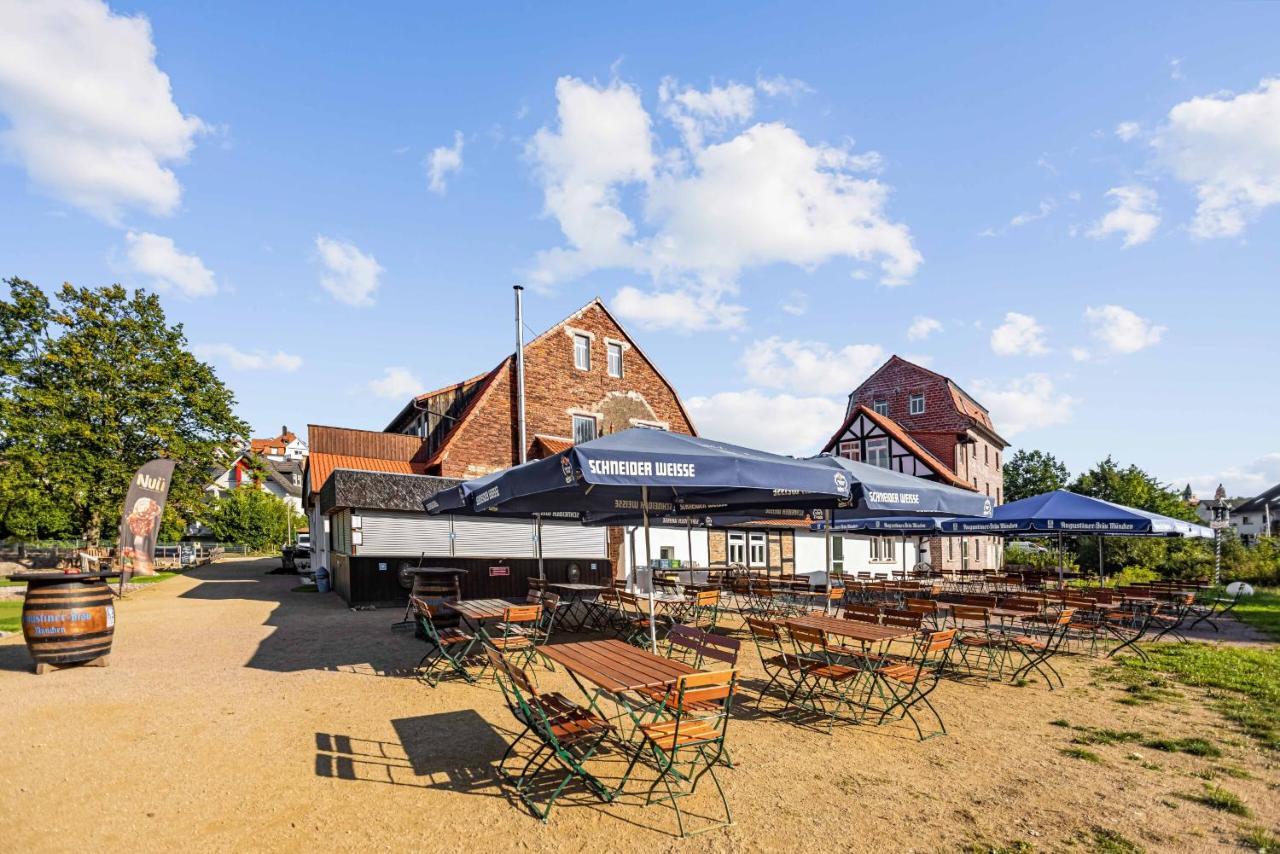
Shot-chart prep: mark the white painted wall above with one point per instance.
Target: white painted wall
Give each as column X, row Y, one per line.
column 811, row 554
column 677, row 539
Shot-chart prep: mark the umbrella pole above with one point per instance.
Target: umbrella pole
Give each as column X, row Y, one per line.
column 904, row 557
column 689, row 531
column 1102, row 572
column 829, row 567
column 537, row 522
column 1061, row 583
column 648, row 557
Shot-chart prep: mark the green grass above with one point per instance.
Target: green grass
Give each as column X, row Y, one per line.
column 1218, row 798
column 1018, row 846
column 11, row 616
column 1261, row 840
column 1062, row 722
column 152, row 579
column 8, row 582
column 303, row 588
column 1081, row 753
column 1190, row 746
column 1262, row 611
column 1100, row 839
column 1089, row 735
column 1243, row 682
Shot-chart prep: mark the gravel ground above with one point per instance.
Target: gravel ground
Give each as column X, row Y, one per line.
column 238, row 715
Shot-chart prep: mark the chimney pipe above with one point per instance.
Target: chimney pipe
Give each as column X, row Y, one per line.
column 519, row 289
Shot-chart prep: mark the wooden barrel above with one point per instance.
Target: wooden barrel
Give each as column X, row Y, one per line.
column 68, row 622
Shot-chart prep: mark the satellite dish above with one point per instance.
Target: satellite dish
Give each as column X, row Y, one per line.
column 1237, row 589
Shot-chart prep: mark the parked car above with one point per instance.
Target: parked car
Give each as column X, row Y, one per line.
column 1026, row 546
column 302, row 554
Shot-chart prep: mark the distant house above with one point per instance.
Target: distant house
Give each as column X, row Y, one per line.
column 1256, row 517
column 284, row 447
column 908, row 418
column 281, row 478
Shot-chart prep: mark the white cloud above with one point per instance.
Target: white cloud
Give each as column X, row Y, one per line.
column 91, row 117
column 395, row 384
column 796, row 303
column 350, row 275
column 1227, row 147
column 1135, row 216
column 698, row 114
column 679, row 311
column 1121, row 330
column 1128, row 130
column 703, row 211
column 1080, row 354
column 781, row 423
column 1240, row 481
column 168, row 268
column 1175, row 68
column 442, row 161
column 1046, row 207
column 1024, row 403
column 779, row 86
column 1019, row 335
column 922, row 327
column 809, row 367
column 239, row 360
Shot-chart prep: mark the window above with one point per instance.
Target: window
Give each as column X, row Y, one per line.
column 986, row 461
column 837, row 555
column 851, row 450
column 614, row 353
column 882, row 549
column 878, row 452
column 736, row 548
column 584, row 429
column 916, row 404
column 758, row 550
column 881, row 407
column 666, row 553
column 998, row 501
column 582, row 352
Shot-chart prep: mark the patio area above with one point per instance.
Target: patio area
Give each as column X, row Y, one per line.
column 260, row 717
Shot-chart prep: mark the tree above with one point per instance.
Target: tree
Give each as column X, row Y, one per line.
column 1133, row 487
column 251, row 517
column 93, row 387
column 1029, row 473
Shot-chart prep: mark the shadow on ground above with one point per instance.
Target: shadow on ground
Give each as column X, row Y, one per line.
column 311, row 631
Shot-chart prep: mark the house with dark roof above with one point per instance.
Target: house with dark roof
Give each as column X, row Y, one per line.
column 1258, row 516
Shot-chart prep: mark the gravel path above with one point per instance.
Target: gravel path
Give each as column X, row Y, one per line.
column 237, row 715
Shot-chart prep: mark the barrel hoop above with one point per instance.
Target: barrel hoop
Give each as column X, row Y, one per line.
column 67, row 638
column 45, row 651
column 73, row 657
column 64, row 604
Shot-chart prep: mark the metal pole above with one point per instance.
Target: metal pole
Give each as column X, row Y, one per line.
column 829, row 566
column 519, row 289
column 904, row 557
column 631, row 538
column 648, row 559
column 1102, row 570
column 1061, row 583
column 537, row 534
column 689, row 531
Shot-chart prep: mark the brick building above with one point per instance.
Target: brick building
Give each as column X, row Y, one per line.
column 585, row 377
column 911, row 419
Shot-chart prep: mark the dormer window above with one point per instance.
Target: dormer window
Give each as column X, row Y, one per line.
column 881, row 407
column 582, row 352
column 916, row 404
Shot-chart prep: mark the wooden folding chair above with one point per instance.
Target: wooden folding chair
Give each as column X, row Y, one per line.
column 450, row 646
column 564, row 731
column 822, row 678
column 695, row 735
column 910, row 683
column 782, row 666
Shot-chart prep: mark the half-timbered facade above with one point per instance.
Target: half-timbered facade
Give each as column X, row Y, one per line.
column 910, row 419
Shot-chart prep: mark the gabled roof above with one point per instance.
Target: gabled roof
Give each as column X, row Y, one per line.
column 1254, row 505
column 482, row 383
column 551, row 444
column 972, row 413
column 895, row 430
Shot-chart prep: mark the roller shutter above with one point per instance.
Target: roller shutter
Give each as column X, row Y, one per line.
column 492, row 537
column 404, row 534
column 563, row 539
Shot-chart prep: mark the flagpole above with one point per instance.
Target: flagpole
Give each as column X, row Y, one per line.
column 648, row 559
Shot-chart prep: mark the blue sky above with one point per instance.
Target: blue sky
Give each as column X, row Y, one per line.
column 1072, row 210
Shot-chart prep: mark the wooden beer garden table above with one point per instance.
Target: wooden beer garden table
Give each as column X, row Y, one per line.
column 576, row 591
column 863, row 633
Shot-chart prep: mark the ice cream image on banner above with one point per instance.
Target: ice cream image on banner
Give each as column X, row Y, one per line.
column 142, row 523
column 140, row 518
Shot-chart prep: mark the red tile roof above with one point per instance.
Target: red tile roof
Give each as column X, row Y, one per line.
column 552, row 444
column 323, row 465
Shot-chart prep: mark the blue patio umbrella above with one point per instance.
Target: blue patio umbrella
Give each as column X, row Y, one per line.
column 1061, row 512
column 645, row 472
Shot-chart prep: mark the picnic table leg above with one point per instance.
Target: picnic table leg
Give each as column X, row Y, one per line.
column 1132, row 642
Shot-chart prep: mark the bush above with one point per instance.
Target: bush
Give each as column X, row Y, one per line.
column 251, row 517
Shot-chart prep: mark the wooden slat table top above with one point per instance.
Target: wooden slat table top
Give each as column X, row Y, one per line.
column 576, row 586
column 856, row 629
column 483, row 609
column 615, row 666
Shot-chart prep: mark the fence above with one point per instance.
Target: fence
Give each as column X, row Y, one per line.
column 168, row 555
